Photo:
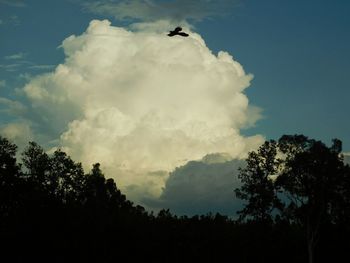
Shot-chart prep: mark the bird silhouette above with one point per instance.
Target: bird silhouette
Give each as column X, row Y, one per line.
column 177, row 31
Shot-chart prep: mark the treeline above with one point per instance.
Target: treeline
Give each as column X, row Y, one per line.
column 52, row 211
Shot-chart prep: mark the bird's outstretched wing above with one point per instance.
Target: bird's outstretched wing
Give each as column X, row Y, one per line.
column 183, row 34
column 178, row 29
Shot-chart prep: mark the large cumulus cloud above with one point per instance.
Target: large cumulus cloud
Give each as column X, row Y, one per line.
column 141, row 103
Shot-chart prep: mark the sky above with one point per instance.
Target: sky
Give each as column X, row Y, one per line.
column 170, row 119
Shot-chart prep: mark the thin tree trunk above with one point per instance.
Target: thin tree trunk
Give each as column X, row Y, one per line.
column 310, row 248
column 312, row 238
column 309, row 237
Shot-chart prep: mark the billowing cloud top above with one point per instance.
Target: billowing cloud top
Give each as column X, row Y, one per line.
column 141, row 103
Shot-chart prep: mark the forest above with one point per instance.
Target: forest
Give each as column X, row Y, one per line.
column 296, row 192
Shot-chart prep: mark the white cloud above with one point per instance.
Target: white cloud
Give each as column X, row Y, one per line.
column 2, row 83
column 16, row 56
column 346, row 157
column 42, row 67
column 11, row 106
column 12, row 20
column 20, row 132
column 153, row 10
column 10, row 67
column 18, row 61
column 141, row 103
column 15, row 62
column 14, row 3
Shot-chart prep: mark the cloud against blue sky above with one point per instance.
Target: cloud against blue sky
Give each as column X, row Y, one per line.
column 140, row 103
column 13, row 3
column 152, row 10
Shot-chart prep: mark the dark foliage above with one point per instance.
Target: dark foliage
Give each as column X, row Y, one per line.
column 51, row 211
column 303, row 182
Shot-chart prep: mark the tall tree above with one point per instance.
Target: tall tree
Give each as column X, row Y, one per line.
column 37, row 164
column 67, row 178
column 299, row 177
column 258, row 187
column 311, row 176
column 96, row 191
column 9, row 177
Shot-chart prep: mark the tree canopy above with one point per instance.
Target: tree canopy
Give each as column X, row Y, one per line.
column 299, row 180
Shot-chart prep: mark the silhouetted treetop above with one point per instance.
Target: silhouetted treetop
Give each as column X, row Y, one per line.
column 298, row 179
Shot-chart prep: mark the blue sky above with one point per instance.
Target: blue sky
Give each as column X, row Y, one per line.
column 298, row 52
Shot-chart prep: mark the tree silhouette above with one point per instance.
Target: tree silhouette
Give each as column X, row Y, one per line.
column 311, row 177
column 37, row 164
column 9, row 179
column 298, row 179
column 258, row 187
column 66, row 177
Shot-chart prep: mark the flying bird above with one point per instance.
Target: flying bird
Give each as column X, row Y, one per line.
column 177, row 31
